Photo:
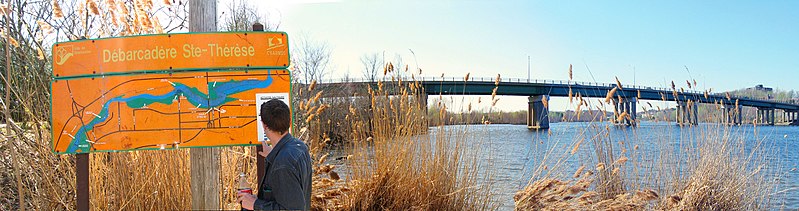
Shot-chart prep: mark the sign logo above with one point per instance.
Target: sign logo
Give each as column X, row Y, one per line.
column 275, row 43
column 62, row 54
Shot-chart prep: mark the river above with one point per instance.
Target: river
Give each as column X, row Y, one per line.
column 513, row 152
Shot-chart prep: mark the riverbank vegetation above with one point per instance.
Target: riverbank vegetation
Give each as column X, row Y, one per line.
column 703, row 167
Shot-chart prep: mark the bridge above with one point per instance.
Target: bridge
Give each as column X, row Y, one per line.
column 624, row 100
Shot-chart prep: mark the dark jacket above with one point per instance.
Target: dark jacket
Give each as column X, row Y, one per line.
column 287, row 184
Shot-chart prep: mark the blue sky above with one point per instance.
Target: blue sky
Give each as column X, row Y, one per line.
column 725, row 44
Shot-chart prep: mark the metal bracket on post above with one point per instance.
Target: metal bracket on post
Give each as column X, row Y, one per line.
column 82, row 180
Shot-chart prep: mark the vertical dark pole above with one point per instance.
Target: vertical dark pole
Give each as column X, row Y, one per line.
column 82, row 180
column 260, row 160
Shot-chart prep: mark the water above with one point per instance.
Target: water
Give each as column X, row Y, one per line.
column 515, row 152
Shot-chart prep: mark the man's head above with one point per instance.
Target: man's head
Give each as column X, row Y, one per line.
column 276, row 116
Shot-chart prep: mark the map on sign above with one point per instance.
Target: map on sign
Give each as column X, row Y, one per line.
column 133, row 110
column 160, row 111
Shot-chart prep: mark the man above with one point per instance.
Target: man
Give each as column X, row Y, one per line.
column 287, row 183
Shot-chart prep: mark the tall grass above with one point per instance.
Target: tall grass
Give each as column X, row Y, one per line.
column 704, row 167
column 400, row 167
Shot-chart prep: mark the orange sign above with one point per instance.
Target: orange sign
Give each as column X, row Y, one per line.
column 162, row 52
column 162, row 111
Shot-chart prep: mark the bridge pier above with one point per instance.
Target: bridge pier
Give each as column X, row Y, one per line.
column 765, row 116
column 731, row 115
column 687, row 113
column 626, row 105
column 537, row 112
column 791, row 117
column 422, row 98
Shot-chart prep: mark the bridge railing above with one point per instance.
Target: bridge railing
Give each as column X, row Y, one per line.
column 545, row 81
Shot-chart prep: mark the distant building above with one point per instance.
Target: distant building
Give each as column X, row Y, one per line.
column 760, row 87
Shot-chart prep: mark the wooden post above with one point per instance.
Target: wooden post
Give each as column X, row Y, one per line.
column 82, row 180
column 204, row 161
column 260, row 162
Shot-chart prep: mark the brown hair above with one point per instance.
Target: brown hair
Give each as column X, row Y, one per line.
column 276, row 115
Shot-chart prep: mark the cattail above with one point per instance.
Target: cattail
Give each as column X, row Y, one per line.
column 316, row 98
column 609, row 97
column 616, row 170
column 466, row 78
column 689, row 83
column 494, row 103
column 600, row 166
column 621, row 160
column 122, row 8
column 618, row 83
column 406, row 68
column 576, row 146
column 40, row 53
column 470, row 107
column 420, row 71
column 321, row 108
column 496, row 82
column 312, row 86
column 46, row 28
column 728, row 95
column 479, row 99
column 639, row 94
column 167, row 3
column 93, row 7
column 622, row 116
column 570, row 72
column 57, row 9
column 570, row 95
column 494, row 93
column 545, row 101
column 12, row 40
column 310, row 117
column 673, row 87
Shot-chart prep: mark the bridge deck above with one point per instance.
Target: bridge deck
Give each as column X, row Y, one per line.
column 524, row 87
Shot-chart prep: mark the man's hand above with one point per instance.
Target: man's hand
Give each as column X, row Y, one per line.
column 247, row 200
column 267, row 146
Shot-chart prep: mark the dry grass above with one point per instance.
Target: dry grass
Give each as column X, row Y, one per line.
column 709, row 167
column 397, row 166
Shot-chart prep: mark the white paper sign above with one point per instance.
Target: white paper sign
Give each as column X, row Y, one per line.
column 260, row 99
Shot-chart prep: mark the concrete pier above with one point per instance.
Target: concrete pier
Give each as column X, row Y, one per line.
column 765, row 116
column 791, row 117
column 687, row 113
column 731, row 114
column 629, row 106
column 537, row 112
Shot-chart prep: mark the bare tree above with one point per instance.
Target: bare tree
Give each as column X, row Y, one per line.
column 311, row 59
column 241, row 15
column 371, row 66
